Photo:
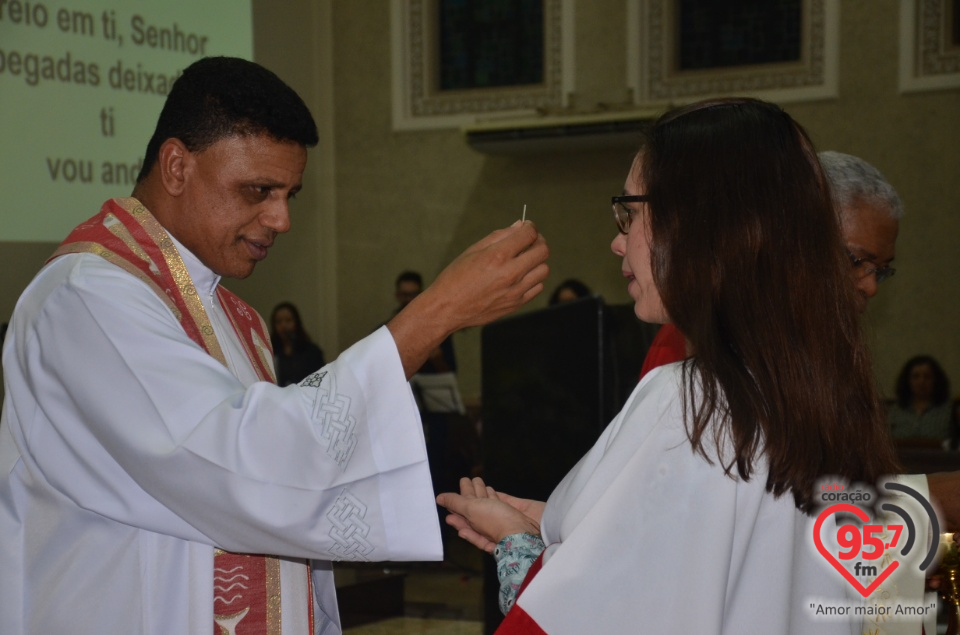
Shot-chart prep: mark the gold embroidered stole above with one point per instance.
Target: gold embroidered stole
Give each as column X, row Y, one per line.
column 125, row 233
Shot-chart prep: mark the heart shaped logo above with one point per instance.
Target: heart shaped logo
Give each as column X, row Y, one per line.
column 832, row 559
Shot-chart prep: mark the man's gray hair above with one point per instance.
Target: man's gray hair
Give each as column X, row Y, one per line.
column 853, row 180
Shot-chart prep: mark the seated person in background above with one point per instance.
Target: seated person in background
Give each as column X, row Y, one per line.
column 567, row 291
column 922, row 410
column 295, row 354
column 726, row 230
column 869, row 210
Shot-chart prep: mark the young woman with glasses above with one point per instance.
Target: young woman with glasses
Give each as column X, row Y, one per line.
column 693, row 513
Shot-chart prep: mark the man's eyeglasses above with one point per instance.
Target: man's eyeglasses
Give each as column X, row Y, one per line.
column 622, row 214
column 866, row 268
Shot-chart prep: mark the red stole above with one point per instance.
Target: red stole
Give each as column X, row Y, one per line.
column 246, row 587
column 127, row 235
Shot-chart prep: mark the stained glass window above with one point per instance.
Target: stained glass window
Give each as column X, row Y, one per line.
column 490, row 43
column 737, row 33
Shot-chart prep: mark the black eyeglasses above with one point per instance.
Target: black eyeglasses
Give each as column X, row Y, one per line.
column 865, row 268
column 622, row 214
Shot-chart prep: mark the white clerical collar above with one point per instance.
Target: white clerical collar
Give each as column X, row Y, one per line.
column 204, row 279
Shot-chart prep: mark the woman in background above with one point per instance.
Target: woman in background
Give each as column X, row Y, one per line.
column 295, row 354
column 922, row 411
column 693, row 513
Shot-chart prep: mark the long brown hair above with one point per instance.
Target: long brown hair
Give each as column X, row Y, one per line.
column 747, row 256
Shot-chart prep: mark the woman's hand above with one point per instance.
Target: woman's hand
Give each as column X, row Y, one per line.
column 483, row 517
column 530, row 508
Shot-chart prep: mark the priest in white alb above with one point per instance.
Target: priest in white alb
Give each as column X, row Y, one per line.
column 153, row 479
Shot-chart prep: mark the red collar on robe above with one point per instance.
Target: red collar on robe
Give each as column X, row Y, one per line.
column 126, row 234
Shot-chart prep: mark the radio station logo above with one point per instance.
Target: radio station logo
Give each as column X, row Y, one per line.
column 866, row 549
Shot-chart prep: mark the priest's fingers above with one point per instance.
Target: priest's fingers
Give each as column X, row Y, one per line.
column 516, row 238
column 532, row 282
column 489, row 280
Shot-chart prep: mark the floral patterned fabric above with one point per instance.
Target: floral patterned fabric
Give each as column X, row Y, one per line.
column 514, row 555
